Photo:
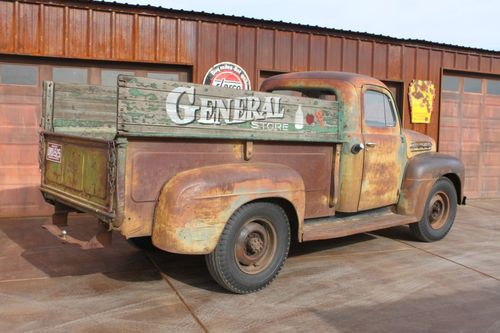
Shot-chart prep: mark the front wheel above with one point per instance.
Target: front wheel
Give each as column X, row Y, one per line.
column 439, row 213
column 251, row 249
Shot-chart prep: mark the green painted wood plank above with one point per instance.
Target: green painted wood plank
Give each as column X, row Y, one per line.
column 151, row 107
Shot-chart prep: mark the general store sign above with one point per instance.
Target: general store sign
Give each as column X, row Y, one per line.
column 219, row 111
column 165, row 108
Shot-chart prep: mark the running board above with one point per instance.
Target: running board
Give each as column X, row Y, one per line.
column 335, row 226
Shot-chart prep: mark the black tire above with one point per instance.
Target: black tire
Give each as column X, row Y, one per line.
column 252, row 248
column 142, row 243
column 439, row 213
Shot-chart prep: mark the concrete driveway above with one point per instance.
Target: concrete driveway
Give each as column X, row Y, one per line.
column 377, row 282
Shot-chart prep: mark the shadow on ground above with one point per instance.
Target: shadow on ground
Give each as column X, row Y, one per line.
column 34, row 253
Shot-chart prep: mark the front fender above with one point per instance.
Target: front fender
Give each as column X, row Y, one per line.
column 194, row 206
column 421, row 173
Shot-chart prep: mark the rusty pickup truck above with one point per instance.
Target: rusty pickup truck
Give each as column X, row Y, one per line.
column 237, row 175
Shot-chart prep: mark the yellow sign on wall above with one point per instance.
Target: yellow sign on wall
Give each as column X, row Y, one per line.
column 421, row 96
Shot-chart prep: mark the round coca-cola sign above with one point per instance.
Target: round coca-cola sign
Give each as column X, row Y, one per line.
column 228, row 75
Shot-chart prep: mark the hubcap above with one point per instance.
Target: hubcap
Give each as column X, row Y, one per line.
column 255, row 246
column 439, row 209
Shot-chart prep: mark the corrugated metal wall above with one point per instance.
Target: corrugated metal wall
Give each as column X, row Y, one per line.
column 124, row 33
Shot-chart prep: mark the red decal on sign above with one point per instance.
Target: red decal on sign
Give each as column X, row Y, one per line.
column 310, row 119
column 319, row 116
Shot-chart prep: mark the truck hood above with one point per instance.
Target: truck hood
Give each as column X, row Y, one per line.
column 418, row 143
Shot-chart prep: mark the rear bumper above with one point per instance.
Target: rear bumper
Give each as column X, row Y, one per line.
column 79, row 204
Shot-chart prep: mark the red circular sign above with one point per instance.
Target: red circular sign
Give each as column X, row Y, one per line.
column 228, row 75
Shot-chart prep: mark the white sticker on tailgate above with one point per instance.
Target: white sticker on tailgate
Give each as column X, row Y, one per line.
column 54, row 151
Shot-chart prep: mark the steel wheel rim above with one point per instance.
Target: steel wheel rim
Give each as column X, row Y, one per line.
column 255, row 246
column 439, row 210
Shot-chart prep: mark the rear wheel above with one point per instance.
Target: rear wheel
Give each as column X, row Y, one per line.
column 439, row 213
column 251, row 249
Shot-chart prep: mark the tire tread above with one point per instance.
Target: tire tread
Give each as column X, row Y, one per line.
column 217, row 265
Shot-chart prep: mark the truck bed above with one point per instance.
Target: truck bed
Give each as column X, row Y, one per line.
column 167, row 127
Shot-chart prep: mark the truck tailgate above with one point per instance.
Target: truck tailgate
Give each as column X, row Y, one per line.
column 79, row 172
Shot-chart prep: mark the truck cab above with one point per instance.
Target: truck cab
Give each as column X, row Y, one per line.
column 377, row 151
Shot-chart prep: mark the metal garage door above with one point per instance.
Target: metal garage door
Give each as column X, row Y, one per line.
column 20, row 108
column 20, row 96
column 470, row 130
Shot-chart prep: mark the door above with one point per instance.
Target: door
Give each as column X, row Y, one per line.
column 20, row 99
column 384, row 153
column 470, row 130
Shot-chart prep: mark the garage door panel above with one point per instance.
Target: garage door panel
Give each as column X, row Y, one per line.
column 17, row 136
column 450, row 144
column 492, row 112
column 492, row 100
column 19, row 124
column 450, row 123
column 450, row 134
column 20, row 111
column 18, row 175
column 23, row 93
column 471, row 183
column 450, row 97
column 476, row 123
column 491, row 135
column 469, row 148
column 19, row 115
column 492, row 125
column 489, row 185
column 491, row 159
column 18, row 155
column 471, row 135
column 471, row 112
column 449, row 147
column 490, row 171
column 25, row 200
column 471, row 158
column 449, row 109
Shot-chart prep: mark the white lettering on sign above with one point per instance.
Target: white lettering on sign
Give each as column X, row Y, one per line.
column 265, row 126
column 54, row 152
column 215, row 111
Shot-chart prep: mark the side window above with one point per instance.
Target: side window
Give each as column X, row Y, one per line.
column 18, row 74
column 70, row 75
column 109, row 77
column 378, row 110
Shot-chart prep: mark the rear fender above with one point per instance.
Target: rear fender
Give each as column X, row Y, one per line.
column 194, row 206
column 422, row 171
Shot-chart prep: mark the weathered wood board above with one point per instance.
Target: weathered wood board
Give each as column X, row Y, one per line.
column 148, row 107
column 84, row 110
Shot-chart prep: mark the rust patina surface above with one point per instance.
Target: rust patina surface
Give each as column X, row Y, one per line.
column 148, row 161
column 195, row 205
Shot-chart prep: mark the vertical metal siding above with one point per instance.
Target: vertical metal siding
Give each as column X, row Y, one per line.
column 101, row 32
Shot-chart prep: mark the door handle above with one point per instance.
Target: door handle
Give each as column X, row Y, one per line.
column 370, row 144
column 357, row 148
